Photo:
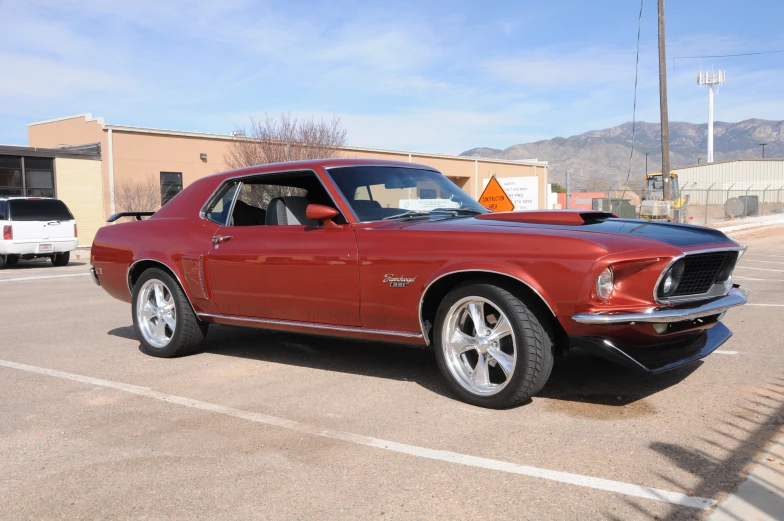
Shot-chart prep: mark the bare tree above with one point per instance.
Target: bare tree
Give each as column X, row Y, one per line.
column 285, row 139
column 137, row 196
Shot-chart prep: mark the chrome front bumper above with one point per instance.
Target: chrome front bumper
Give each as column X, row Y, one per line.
column 736, row 297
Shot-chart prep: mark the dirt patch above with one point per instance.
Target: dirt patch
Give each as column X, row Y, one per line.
column 594, row 407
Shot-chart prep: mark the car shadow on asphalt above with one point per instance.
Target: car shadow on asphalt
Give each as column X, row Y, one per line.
column 36, row 264
column 720, row 457
column 576, row 377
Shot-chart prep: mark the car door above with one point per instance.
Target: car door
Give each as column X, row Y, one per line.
column 296, row 271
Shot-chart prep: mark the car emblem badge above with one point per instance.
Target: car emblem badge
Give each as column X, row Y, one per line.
column 398, row 282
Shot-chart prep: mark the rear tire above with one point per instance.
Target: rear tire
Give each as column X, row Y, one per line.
column 158, row 303
column 61, row 259
column 2, row 261
column 503, row 362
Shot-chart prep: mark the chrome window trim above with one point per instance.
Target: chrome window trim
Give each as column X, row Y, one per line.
column 712, row 292
column 422, row 298
column 213, row 199
column 412, row 167
column 310, row 325
column 240, row 178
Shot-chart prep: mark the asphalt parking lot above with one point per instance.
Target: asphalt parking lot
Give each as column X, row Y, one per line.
column 277, row 426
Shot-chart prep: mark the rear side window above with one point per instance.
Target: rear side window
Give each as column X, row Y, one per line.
column 38, row 210
column 2, row 210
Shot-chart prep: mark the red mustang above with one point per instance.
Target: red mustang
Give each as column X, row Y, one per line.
column 395, row 252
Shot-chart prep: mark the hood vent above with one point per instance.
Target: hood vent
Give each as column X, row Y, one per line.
column 557, row 217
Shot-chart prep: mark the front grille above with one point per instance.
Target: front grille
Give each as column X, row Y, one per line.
column 700, row 273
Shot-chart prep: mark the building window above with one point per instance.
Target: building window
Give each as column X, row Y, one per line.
column 39, row 177
column 28, row 176
column 10, row 175
column 171, row 185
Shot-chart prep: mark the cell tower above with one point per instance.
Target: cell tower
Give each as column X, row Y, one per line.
column 710, row 80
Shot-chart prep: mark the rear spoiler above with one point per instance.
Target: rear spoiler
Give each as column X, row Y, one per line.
column 138, row 215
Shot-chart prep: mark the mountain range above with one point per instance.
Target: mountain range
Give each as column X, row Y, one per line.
column 599, row 159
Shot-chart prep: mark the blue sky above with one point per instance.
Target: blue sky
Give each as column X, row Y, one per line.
column 422, row 75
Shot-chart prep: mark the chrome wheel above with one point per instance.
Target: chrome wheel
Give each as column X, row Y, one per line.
column 156, row 314
column 479, row 346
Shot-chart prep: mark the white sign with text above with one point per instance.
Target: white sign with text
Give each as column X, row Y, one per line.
column 425, row 205
column 522, row 191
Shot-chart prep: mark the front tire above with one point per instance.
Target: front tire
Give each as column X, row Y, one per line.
column 492, row 349
column 61, row 259
column 163, row 317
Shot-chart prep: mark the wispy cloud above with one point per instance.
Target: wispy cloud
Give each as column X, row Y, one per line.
column 441, row 76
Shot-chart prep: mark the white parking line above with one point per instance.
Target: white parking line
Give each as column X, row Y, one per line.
column 17, row 279
column 765, row 305
column 722, row 352
column 756, row 269
column 734, row 277
column 763, row 261
column 580, row 480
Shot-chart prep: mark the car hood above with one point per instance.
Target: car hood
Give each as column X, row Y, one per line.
column 590, row 226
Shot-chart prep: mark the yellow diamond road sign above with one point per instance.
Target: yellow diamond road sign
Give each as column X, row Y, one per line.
column 494, row 198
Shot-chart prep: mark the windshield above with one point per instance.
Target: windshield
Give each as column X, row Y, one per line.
column 38, row 210
column 376, row 193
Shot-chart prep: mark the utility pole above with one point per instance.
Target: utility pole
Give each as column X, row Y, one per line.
column 763, row 149
column 665, row 123
column 568, row 189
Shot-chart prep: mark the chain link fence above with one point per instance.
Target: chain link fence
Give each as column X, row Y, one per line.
column 720, row 202
column 695, row 204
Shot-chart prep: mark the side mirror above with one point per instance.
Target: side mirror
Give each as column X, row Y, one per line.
column 322, row 214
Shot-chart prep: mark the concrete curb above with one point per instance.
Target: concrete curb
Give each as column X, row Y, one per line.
column 761, row 222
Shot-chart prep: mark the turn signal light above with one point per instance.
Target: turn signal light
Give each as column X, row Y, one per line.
column 8, row 232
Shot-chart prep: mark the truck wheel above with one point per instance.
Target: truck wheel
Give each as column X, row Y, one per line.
column 61, row 259
column 492, row 349
column 163, row 317
column 2, row 261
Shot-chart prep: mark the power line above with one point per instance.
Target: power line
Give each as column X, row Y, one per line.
column 634, row 109
column 725, row 55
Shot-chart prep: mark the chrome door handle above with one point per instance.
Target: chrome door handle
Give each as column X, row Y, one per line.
column 220, row 239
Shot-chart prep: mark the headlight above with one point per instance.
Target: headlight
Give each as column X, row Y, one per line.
column 671, row 279
column 604, row 283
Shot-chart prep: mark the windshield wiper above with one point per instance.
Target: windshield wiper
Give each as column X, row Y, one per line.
column 457, row 211
column 404, row 215
column 436, row 211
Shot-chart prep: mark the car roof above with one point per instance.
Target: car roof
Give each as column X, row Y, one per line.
column 297, row 166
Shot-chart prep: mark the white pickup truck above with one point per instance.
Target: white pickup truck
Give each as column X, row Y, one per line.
column 36, row 227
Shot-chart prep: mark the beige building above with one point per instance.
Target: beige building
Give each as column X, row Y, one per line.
column 175, row 158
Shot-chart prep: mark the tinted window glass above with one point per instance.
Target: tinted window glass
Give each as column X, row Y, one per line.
column 10, row 175
column 2, row 210
column 38, row 210
column 219, row 211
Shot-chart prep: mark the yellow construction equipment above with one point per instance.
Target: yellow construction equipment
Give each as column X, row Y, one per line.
column 653, row 205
